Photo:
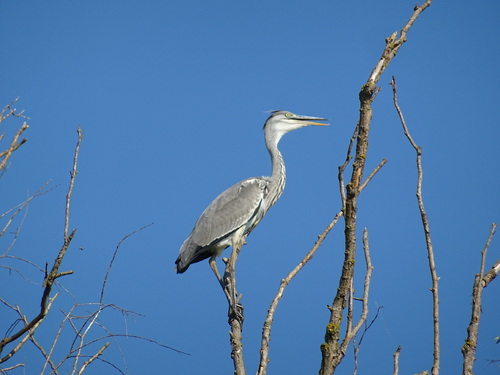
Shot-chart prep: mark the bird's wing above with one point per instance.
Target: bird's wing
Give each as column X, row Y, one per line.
column 235, row 207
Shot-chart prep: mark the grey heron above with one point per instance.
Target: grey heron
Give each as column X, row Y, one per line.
column 235, row 213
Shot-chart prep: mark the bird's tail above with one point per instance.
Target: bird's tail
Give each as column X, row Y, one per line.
column 181, row 265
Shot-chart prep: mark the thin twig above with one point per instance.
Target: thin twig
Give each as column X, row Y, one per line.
column 358, row 345
column 371, row 175
column 11, row 111
column 427, row 232
column 101, row 299
column 52, row 347
column 72, row 173
column 142, row 338
column 342, row 167
column 93, row 358
column 350, row 334
column 44, row 353
column 6, row 369
column 29, row 332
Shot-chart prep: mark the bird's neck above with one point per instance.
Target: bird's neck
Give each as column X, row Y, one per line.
column 278, row 176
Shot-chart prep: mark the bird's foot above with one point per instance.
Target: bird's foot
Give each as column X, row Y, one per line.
column 236, row 312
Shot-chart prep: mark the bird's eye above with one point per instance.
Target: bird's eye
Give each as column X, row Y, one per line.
column 288, row 115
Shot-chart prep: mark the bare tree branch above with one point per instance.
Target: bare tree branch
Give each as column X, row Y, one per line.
column 342, row 167
column 93, row 358
column 50, row 277
column 350, row 331
column 42, row 350
column 6, row 369
column 491, row 274
column 14, row 145
column 469, row 348
column 364, row 313
column 427, row 232
column 30, row 331
column 101, row 299
column 332, row 353
column 371, row 175
column 72, row 173
column 235, row 311
column 14, row 211
column 8, row 111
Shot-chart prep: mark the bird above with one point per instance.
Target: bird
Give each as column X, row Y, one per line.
column 237, row 211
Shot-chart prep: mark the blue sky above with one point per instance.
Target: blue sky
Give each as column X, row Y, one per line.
column 172, row 97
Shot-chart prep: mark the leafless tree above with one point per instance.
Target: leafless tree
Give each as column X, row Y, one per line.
column 86, row 348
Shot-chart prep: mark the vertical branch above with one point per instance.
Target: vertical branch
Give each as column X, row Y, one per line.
column 427, row 232
column 352, row 331
column 235, row 312
column 396, row 360
column 331, row 353
column 364, row 313
column 480, row 282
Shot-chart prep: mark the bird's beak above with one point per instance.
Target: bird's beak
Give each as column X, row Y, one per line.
column 309, row 120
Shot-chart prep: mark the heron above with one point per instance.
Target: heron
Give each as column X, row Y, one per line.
column 237, row 211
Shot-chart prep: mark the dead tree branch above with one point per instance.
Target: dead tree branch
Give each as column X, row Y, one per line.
column 332, row 352
column 469, row 348
column 427, row 232
column 14, row 145
column 101, row 299
column 351, row 331
column 364, row 312
column 235, row 311
column 50, row 277
column 93, row 358
column 16, row 210
column 8, row 111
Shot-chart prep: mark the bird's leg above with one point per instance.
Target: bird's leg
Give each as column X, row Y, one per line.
column 223, row 283
column 230, row 277
column 213, row 266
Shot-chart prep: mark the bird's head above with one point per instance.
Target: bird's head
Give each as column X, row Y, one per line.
column 281, row 122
